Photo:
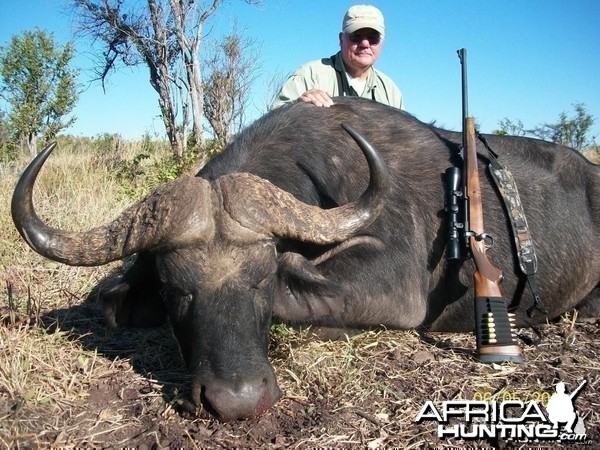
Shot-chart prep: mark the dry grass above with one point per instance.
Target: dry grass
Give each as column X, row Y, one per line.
column 71, row 195
column 377, row 382
column 66, row 382
column 45, row 370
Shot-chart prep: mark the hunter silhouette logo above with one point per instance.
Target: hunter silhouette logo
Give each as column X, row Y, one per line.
column 561, row 410
column 513, row 416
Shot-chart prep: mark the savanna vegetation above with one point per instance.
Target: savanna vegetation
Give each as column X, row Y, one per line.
column 66, row 382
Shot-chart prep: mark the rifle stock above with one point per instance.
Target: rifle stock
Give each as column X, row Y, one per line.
column 487, row 277
column 493, row 325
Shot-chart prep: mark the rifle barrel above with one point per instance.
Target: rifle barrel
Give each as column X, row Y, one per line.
column 462, row 54
column 576, row 391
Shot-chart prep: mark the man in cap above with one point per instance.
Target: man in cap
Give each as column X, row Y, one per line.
column 350, row 71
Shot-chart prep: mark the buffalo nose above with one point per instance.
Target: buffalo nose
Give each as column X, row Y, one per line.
column 240, row 398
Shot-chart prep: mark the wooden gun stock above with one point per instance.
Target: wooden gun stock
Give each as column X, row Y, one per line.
column 493, row 325
column 487, row 277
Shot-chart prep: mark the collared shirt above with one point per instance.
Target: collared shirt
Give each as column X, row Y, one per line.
column 329, row 75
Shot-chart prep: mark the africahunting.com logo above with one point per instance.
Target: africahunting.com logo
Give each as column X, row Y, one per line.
column 513, row 416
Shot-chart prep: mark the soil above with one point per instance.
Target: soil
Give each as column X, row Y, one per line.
column 365, row 392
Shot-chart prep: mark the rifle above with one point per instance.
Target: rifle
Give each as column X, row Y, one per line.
column 494, row 327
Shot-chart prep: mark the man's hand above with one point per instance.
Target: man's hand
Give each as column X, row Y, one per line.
column 317, row 97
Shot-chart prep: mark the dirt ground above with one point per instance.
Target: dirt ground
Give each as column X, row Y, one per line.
column 364, row 392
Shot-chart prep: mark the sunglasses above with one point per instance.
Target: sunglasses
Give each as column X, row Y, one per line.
column 357, row 38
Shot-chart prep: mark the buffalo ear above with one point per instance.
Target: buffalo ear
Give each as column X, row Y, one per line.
column 301, row 276
column 112, row 301
column 125, row 305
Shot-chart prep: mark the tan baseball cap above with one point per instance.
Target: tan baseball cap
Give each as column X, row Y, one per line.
column 363, row 16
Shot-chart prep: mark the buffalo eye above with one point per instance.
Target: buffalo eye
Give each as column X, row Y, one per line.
column 262, row 283
column 177, row 302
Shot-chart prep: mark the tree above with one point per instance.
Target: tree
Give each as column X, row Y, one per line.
column 166, row 37
column 230, row 74
column 4, row 130
column 135, row 36
column 38, row 85
column 570, row 131
column 8, row 148
column 508, row 127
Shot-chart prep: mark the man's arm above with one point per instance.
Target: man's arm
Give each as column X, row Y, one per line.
column 296, row 88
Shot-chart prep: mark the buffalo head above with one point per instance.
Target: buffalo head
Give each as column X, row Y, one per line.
column 213, row 262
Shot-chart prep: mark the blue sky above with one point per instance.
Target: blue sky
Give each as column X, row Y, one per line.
column 528, row 59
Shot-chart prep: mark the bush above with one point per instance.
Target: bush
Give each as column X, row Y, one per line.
column 140, row 174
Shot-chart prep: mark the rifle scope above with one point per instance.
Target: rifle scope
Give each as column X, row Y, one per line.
column 453, row 193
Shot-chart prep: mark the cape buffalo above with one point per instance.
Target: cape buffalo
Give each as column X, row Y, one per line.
column 290, row 222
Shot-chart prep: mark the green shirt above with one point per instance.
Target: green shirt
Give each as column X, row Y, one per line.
column 329, row 75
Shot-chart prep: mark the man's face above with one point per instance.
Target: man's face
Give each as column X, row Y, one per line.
column 360, row 49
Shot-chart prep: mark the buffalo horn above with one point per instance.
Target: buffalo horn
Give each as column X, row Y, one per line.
column 259, row 205
column 179, row 210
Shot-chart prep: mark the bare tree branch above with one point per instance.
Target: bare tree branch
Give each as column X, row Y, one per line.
column 164, row 35
column 230, row 75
